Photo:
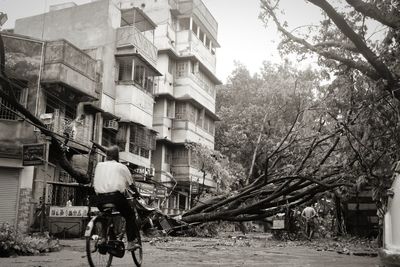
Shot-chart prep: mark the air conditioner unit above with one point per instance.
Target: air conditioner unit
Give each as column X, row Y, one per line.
column 111, row 124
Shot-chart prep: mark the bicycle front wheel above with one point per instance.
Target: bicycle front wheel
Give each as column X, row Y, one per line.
column 96, row 249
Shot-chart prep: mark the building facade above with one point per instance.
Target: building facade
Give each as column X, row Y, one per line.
column 137, row 74
column 184, row 111
column 52, row 80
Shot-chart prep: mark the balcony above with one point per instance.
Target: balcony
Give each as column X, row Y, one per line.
column 164, row 85
column 186, row 131
column 75, row 130
column 185, row 174
column 134, row 105
column 135, row 159
column 165, row 37
column 198, row 8
column 64, row 63
column 189, row 86
column 189, row 45
column 130, row 36
column 163, row 126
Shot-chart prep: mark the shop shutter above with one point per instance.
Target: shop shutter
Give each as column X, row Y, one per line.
column 8, row 194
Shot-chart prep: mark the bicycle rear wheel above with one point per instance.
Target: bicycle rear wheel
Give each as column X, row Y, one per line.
column 137, row 254
column 96, row 250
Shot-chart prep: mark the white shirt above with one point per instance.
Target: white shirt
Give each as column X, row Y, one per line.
column 309, row 212
column 111, row 176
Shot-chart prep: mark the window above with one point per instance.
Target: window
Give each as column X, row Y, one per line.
column 194, row 28
column 170, row 109
column 180, row 156
column 121, row 136
column 145, row 153
column 139, row 75
column 181, row 69
column 192, row 113
column 206, row 123
column 212, row 127
column 199, row 117
column 108, row 138
column 180, row 111
column 141, row 141
column 133, row 140
column 201, row 36
column 7, row 111
column 194, row 67
column 182, row 202
column 168, row 156
column 184, row 24
column 125, row 68
column 171, row 66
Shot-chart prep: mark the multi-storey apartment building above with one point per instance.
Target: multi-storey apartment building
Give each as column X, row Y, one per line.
column 116, row 72
column 94, row 81
column 186, row 38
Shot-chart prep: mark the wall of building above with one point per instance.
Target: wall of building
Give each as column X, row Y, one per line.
column 86, row 26
column 25, row 207
column 133, row 104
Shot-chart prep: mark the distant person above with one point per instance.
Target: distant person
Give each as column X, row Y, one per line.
column 111, row 179
column 309, row 214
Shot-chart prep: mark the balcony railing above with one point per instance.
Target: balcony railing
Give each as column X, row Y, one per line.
column 72, row 129
column 63, row 52
column 196, row 47
column 130, row 35
column 184, row 130
column 198, row 8
column 64, row 63
column 165, row 36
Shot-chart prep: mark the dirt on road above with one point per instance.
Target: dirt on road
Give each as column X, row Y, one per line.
column 234, row 250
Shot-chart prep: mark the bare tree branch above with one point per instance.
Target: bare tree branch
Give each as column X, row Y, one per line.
column 357, row 40
column 370, row 10
column 359, row 65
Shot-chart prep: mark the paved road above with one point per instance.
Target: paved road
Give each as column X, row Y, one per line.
column 204, row 252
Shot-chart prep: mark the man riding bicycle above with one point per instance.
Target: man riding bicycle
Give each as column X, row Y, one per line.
column 111, row 179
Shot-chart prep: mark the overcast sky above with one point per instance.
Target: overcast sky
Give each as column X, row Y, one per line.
column 242, row 36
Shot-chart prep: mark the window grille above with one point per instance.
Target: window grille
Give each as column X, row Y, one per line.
column 168, row 156
column 192, row 113
column 125, row 68
column 171, row 65
column 145, row 153
column 180, row 111
column 108, row 138
column 181, row 69
column 180, row 156
column 211, row 128
column 139, row 75
column 199, row 121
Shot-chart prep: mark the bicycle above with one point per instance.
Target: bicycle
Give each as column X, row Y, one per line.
column 284, row 226
column 105, row 237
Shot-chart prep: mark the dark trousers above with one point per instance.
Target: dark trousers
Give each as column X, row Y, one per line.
column 124, row 208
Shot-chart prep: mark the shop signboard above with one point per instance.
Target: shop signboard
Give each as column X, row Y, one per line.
column 161, row 192
column 74, row 211
column 33, row 154
column 195, row 188
column 145, row 188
